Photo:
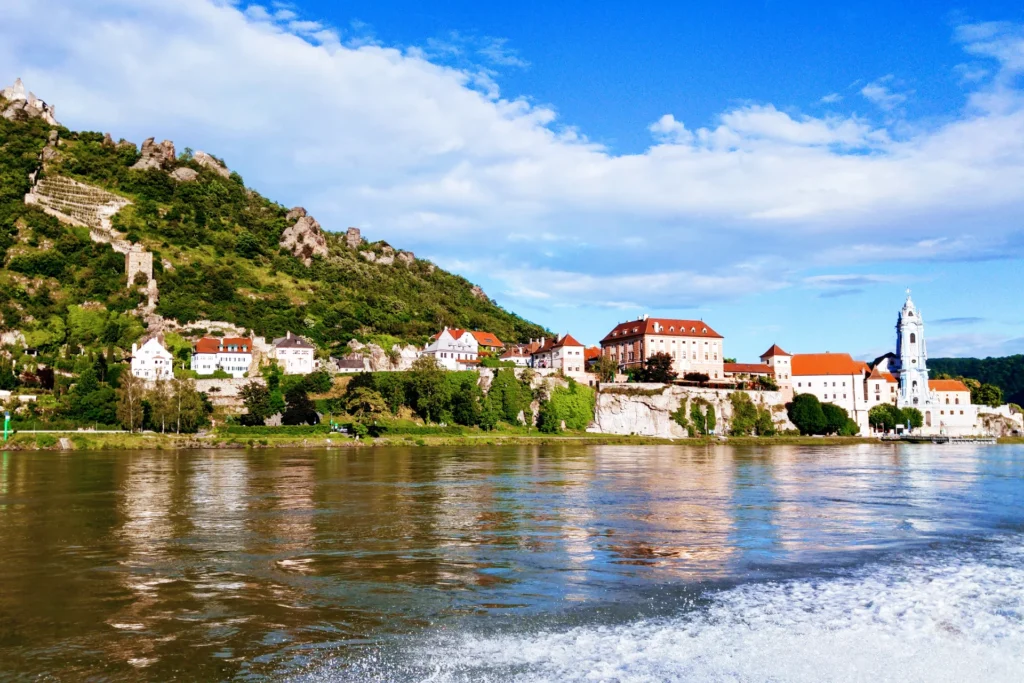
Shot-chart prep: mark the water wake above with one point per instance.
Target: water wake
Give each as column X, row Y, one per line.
column 950, row 615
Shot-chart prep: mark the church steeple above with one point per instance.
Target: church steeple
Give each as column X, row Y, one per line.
column 913, row 355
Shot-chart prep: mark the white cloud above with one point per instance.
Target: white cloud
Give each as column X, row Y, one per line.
column 881, row 94
column 831, row 98
column 428, row 154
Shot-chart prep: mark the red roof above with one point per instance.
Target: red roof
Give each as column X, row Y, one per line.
column 947, row 385
column 486, row 339
column 878, row 374
column 207, row 345
column 663, row 326
column 747, row 369
column 567, row 340
column 517, row 352
column 591, row 353
column 240, row 342
column 774, row 351
column 805, row 364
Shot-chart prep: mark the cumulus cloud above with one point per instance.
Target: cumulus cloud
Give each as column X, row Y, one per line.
column 881, row 93
column 430, row 154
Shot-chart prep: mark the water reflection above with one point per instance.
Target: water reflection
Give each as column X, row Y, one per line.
column 219, row 564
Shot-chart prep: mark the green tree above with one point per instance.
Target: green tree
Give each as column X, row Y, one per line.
column 366, row 403
column 806, row 414
column 658, row 368
column 427, row 380
column 129, row 402
column 606, row 368
column 836, row 418
column 547, row 419
column 256, row 398
column 574, row 405
column 912, row 417
column 987, row 395
column 189, row 409
column 744, row 414
column 299, row 408
column 764, row 426
column 884, row 417
column 8, row 380
column 710, row 421
column 159, row 398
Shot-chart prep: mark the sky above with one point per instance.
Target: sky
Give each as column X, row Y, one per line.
column 782, row 170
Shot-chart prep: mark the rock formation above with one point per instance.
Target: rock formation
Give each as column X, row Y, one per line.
column 305, row 239
column 21, row 105
column 353, row 238
column 108, row 141
column 406, row 257
column 207, row 161
column 184, row 174
column 399, row 359
column 478, row 292
column 295, row 214
column 156, row 156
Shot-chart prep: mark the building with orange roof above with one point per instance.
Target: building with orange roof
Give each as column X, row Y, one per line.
column 695, row 347
column 563, row 353
column 834, row 378
column 487, row 342
column 232, row 355
column 450, row 346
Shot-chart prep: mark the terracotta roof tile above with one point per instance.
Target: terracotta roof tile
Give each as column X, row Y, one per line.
column 207, row 345
column 747, row 369
column 947, row 385
column 486, row 339
column 805, row 364
column 775, row 350
column 662, row 326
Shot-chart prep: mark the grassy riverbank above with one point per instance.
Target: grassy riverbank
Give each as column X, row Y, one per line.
column 269, row 438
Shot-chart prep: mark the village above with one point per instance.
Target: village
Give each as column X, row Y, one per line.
column 687, row 356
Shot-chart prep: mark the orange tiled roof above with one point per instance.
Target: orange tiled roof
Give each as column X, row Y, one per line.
column 747, row 369
column 240, row 342
column 591, row 353
column 486, row 338
column 207, row 345
column 805, row 364
column 668, row 326
column 878, row 374
column 775, row 350
column 567, row 340
column 947, row 385
column 456, row 334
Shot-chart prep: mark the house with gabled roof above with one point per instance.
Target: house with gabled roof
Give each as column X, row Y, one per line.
column 296, row 355
column 695, row 347
column 451, row 347
column 561, row 353
column 232, row 355
column 487, row 342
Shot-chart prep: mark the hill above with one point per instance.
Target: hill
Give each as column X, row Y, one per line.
column 1007, row 373
column 72, row 204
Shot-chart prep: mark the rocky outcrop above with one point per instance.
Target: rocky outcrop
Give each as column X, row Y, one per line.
column 295, row 214
column 208, row 161
column 646, row 409
column 479, row 293
column 1000, row 424
column 400, row 358
column 156, row 156
column 406, row 257
column 21, row 105
column 304, row 239
column 353, row 238
column 184, row 174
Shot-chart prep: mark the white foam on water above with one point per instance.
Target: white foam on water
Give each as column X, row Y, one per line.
column 934, row 617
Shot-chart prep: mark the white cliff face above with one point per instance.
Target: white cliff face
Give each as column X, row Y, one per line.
column 646, row 409
column 305, row 239
column 376, row 359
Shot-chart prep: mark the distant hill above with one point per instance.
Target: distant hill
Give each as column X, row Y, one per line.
column 1006, row 373
column 220, row 251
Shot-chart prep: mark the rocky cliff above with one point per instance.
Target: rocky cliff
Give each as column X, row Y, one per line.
column 646, row 409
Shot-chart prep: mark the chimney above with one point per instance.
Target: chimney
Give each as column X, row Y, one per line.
column 288, row 334
column 135, row 349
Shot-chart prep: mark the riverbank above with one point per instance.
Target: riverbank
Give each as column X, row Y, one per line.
column 265, row 438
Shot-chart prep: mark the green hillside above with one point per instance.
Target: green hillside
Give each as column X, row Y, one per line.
column 1006, row 373
column 216, row 256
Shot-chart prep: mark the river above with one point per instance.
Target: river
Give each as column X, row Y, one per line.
column 577, row 563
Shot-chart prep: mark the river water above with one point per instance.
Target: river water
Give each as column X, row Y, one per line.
column 607, row 563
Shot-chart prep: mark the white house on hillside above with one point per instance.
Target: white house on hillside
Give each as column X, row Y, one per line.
column 152, row 361
column 233, row 355
column 449, row 347
column 295, row 354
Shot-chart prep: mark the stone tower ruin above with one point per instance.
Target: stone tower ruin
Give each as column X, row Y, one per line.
column 137, row 261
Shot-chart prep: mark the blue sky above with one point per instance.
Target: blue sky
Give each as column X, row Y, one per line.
column 783, row 170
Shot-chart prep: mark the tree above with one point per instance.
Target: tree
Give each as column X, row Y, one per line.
column 160, row 403
column 547, row 418
column 8, row 380
column 129, row 402
column 428, row 384
column 299, row 408
column 364, row 403
column 728, row 360
column 46, row 378
column 318, row 382
column 189, row 409
column 606, row 368
column 764, row 426
column 987, row 395
column 100, row 366
column 806, row 414
column 256, row 398
column 744, row 414
column 710, row 420
column 835, row 418
column 573, row 405
column 912, row 417
column 658, row 368
column 884, row 417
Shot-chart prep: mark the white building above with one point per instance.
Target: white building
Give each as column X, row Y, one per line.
column 945, row 405
column 694, row 346
column 295, row 355
column 233, row 355
column 449, row 347
column 519, row 354
column 152, row 361
column 834, row 378
column 564, row 353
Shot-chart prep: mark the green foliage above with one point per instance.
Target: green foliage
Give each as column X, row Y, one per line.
column 836, row 418
column 744, row 414
column 806, row 414
column 658, row 368
column 574, row 405
column 1006, row 373
column 886, row 416
column 508, row 397
column 318, row 382
column 299, row 409
column 681, row 416
column 912, row 417
column 606, row 368
column 548, row 421
column 256, row 398
column 365, row 403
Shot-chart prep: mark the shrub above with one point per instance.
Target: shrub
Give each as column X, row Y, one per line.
column 806, row 414
column 574, row 405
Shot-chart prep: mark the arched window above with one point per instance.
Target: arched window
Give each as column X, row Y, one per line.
column 913, row 338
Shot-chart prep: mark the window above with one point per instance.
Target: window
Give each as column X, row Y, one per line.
column 913, row 338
